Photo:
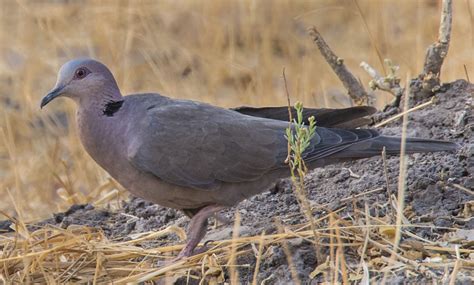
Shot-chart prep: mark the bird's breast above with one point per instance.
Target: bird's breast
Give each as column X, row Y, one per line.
column 103, row 139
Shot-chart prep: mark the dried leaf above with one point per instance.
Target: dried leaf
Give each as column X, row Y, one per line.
column 377, row 262
column 408, row 212
column 468, row 210
column 373, row 251
column 413, row 254
column 366, row 277
column 320, row 269
column 211, row 270
column 355, row 277
column 436, row 259
column 415, row 244
column 388, row 231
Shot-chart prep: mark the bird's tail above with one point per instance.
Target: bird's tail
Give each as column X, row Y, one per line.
column 392, row 146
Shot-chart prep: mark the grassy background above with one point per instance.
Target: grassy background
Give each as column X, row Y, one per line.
column 227, row 53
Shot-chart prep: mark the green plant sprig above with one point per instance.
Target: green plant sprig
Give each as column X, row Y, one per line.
column 299, row 138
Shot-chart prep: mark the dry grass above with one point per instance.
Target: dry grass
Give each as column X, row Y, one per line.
column 81, row 254
column 228, row 53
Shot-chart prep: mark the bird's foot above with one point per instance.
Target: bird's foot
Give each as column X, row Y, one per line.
column 205, row 247
column 188, row 252
column 185, row 253
column 182, row 256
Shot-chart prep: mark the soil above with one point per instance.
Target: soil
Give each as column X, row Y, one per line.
column 430, row 197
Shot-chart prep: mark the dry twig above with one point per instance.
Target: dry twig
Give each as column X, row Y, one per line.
column 389, row 83
column 430, row 77
column 355, row 89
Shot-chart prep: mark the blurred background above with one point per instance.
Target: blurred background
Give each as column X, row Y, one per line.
column 228, row 53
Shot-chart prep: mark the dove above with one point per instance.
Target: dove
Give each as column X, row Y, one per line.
column 200, row 158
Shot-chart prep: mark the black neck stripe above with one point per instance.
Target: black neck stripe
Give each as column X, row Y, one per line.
column 112, row 107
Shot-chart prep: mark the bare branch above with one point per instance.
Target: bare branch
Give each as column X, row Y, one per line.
column 355, row 89
column 389, row 83
column 437, row 51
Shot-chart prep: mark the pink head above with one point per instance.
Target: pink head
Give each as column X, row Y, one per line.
column 84, row 80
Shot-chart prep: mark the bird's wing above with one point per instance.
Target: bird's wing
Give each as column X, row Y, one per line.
column 351, row 117
column 200, row 146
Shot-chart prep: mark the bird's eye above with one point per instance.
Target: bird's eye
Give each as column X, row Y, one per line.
column 81, row 73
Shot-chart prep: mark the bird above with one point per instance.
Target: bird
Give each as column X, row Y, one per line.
column 200, row 158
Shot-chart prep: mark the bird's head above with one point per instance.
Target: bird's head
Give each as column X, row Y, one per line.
column 84, row 80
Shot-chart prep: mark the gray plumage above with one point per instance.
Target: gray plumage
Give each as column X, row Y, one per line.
column 200, row 158
column 352, row 117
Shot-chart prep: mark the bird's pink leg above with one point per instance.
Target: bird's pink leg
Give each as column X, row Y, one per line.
column 197, row 229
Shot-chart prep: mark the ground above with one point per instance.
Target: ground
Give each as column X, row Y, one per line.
column 439, row 205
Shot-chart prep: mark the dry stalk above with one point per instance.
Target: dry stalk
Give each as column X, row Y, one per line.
column 385, row 172
column 332, row 256
column 366, row 239
column 340, row 250
column 286, row 249
column 389, row 120
column 259, row 258
column 401, row 182
column 466, row 72
column 336, row 269
column 234, row 276
column 462, row 188
column 372, row 40
column 290, row 115
column 457, row 265
column 347, row 199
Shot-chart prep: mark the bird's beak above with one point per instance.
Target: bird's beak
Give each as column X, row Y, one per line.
column 51, row 96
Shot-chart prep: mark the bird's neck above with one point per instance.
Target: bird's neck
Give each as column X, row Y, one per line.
column 105, row 103
column 98, row 125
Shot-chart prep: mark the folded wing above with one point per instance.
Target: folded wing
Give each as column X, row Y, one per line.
column 352, row 117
